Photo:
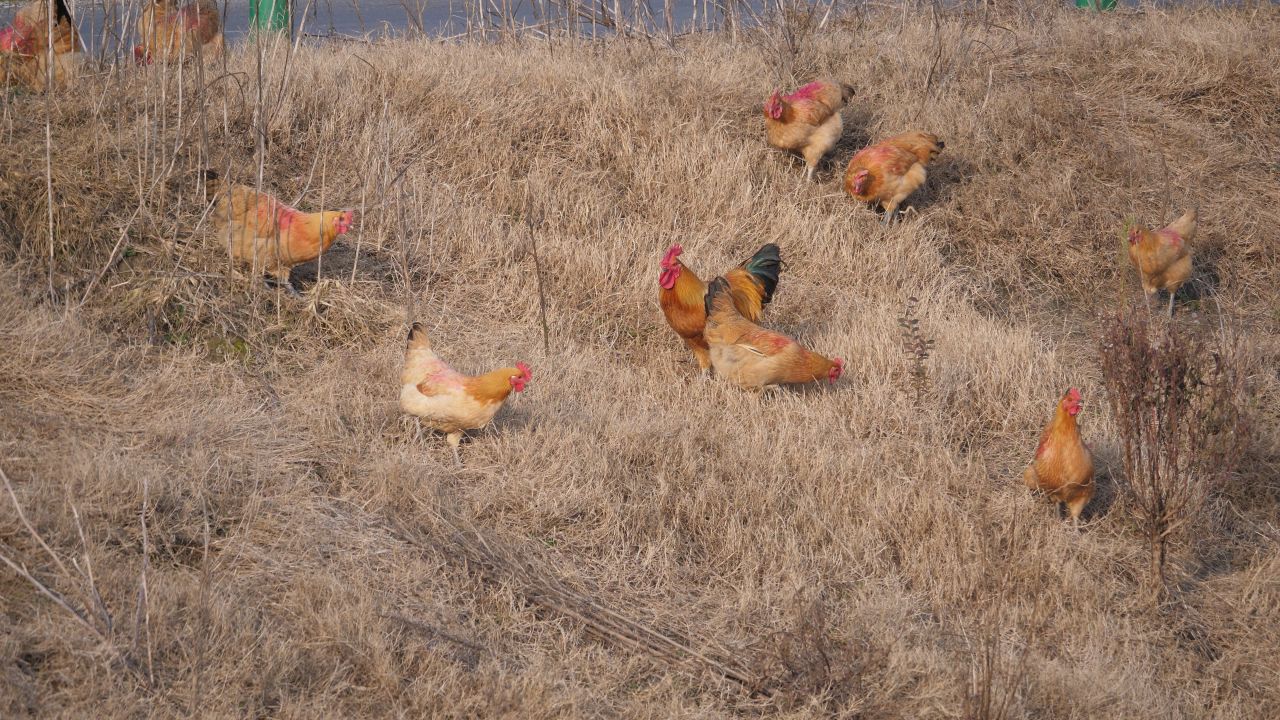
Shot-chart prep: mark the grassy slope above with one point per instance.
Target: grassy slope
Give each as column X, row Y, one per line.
column 299, row 548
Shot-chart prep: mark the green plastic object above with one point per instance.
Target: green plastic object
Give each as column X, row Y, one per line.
column 1096, row 4
column 270, row 15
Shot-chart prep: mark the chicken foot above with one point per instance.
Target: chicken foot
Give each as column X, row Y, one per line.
column 272, row 282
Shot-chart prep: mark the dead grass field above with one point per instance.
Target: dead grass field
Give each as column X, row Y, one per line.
column 270, row 540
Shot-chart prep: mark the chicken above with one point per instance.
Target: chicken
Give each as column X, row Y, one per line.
column 270, row 236
column 682, row 294
column 447, row 400
column 807, row 121
column 755, row 358
column 176, row 34
column 1162, row 257
column 25, row 44
column 29, row 32
column 1063, row 466
column 889, row 171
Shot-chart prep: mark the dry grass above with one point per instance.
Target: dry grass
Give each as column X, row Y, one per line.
column 846, row 550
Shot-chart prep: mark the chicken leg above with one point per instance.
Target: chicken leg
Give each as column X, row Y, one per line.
column 1146, row 300
column 285, row 284
column 1076, row 508
column 1171, row 294
column 891, row 211
column 455, row 439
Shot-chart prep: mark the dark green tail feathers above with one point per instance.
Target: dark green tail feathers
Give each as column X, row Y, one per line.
column 765, row 265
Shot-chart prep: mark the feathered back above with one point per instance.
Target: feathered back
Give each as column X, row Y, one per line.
column 719, row 300
column 810, row 104
column 924, row 145
column 1184, row 226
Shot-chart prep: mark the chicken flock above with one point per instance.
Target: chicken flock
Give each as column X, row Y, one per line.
column 169, row 33
column 719, row 321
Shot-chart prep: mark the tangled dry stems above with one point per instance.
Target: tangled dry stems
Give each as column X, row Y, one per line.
column 276, row 468
column 1178, row 400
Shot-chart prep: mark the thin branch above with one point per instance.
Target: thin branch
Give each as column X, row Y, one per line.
column 27, row 524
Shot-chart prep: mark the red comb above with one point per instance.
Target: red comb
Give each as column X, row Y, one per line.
column 524, row 370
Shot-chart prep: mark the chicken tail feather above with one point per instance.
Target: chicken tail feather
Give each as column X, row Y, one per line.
column 1186, row 224
column 418, row 339
column 212, row 181
column 765, row 266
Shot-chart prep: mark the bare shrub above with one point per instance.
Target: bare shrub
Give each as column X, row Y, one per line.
column 917, row 347
column 814, row 663
column 994, row 677
column 84, row 603
column 1177, row 401
column 784, row 32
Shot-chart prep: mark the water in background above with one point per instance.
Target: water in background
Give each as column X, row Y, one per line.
column 107, row 26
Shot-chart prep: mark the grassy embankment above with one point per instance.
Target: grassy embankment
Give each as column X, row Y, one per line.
column 269, row 538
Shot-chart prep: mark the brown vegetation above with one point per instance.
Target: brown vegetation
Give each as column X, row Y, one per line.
column 245, row 525
column 1179, row 407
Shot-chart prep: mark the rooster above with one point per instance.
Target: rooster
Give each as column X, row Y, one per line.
column 25, row 44
column 682, row 295
column 1162, row 258
column 755, row 358
column 447, row 400
column 1063, row 466
column 175, row 34
column 889, row 171
column 807, row 121
column 265, row 233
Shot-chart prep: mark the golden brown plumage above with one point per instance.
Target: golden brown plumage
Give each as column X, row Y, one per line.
column 752, row 357
column 1163, row 258
column 25, row 44
column 889, row 171
column 925, row 146
column 270, row 236
column 682, row 294
column 1063, row 466
column 448, row 401
column 175, row 34
column 808, row 120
